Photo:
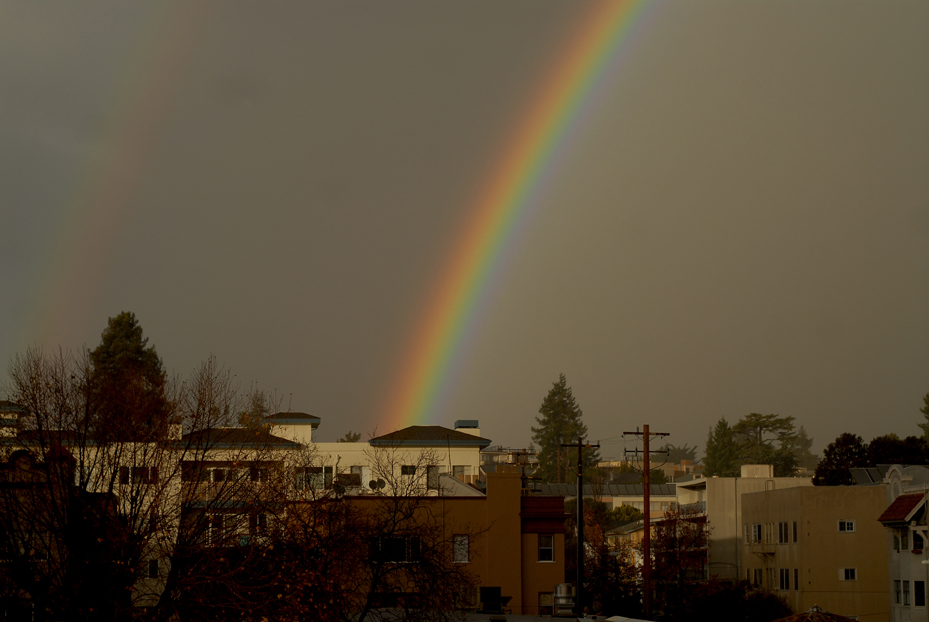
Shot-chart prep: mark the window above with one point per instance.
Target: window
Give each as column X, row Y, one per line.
column 756, row 532
column 896, row 592
column 784, row 578
column 546, row 548
column 153, row 569
column 219, row 533
column 258, row 474
column 918, row 543
column 138, row 475
column 796, row 577
column 315, row 478
column 906, row 593
column 783, row 534
column 795, row 531
column 919, row 593
column 460, row 549
column 432, row 477
column 846, row 526
column 397, row 549
column 757, row 580
column 896, row 543
column 408, row 469
column 848, row 574
column 459, row 471
column 257, row 523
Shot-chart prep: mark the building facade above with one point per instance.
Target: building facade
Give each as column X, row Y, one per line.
column 818, row 545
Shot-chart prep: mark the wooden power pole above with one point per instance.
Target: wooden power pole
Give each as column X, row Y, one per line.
column 579, row 596
column 647, row 512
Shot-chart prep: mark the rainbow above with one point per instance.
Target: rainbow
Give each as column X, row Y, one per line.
column 503, row 204
column 108, row 173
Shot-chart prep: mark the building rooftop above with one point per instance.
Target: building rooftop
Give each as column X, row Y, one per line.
column 902, row 508
column 429, row 435
column 236, row 437
column 609, row 490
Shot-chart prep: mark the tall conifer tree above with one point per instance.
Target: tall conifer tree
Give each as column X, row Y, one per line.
column 722, row 451
column 560, row 422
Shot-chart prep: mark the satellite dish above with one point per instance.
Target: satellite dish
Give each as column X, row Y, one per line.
column 380, row 484
column 372, row 485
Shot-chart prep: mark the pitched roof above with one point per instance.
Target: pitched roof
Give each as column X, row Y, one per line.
column 902, row 507
column 429, row 435
column 235, row 437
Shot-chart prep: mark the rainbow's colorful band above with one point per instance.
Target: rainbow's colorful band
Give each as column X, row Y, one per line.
column 502, row 205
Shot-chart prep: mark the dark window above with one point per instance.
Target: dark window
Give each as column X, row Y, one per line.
column 258, row 474
column 919, row 593
column 796, row 579
column 917, row 541
column 397, row 549
column 846, row 526
column 782, row 534
column 784, row 577
column 546, row 548
column 153, row 569
column 795, row 531
column 123, row 475
column 408, row 469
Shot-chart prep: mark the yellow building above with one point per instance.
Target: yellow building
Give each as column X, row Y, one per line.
column 819, row 545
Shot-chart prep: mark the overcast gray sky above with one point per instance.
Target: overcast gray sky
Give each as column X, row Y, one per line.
column 741, row 225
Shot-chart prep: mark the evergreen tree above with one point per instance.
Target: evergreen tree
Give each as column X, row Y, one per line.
column 845, row 452
column 805, row 458
column 925, row 411
column 560, row 422
column 768, row 439
column 128, row 384
column 722, row 451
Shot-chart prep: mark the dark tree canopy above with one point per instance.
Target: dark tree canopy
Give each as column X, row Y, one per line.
column 845, row 452
column 350, row 437
column 560, row 422
column 722, row 451
column 892, row 450
column 128, row 384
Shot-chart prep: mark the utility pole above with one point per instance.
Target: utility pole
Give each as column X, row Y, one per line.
column 579, row 596
column 647, row 512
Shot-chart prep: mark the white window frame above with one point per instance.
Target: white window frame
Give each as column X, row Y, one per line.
column 848, row 574
column 846, row 525
column 550, row 548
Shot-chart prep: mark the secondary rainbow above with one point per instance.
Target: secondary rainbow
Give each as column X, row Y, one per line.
column 529, row 158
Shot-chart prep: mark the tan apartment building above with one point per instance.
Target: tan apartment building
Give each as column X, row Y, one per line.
column 819, row 546
column 720, row 498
